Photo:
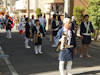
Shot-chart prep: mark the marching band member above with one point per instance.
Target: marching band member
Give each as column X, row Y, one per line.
column 38, row 30
column 27, row 32
column 8, row 27
column 55, row 27
column 21, row 27
column 66, row 55
column 85, row 31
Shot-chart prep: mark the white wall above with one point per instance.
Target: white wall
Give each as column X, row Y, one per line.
column 34, row 4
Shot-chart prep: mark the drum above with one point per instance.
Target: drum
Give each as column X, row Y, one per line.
column 35, row 38
column 30, row 33
column 63, row 42
column 50, row 38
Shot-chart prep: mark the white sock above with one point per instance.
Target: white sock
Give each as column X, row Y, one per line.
column 61, row 67
column 54, row 37
column 26, row 41
column 9, row 32
column 39, row 48
column 36, row 49
column 69, row 66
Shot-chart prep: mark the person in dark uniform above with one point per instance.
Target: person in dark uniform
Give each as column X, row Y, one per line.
column 67, row 54
column 72, row 23
column 85, row 31
column 27, row 32
column 55, row 28
column 38, row 30
column 60, row 22
column 8, row 27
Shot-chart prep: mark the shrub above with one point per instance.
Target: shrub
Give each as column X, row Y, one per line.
column 78, row 13
column 94, row 13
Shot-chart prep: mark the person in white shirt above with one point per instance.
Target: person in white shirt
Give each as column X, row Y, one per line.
column 41, row 21
column 32, row 24
column 32, row 21
column 21, row 27
column 23, row 20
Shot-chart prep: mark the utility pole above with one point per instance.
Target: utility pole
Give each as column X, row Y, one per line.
column 66, row 8
column 28, row 8
column 10, row 6
column 5, row 4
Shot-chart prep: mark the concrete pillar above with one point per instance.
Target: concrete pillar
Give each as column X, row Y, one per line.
column 66, row 8
column 5, row 4
column 10, row 6
column 28, row 8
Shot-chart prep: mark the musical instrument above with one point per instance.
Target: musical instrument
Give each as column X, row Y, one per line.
column 35, row 38
column 30, row 33
column 63, row 44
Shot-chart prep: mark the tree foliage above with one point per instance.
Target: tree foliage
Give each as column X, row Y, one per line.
column 94, row 13
column 78, row 13
column 38, row 12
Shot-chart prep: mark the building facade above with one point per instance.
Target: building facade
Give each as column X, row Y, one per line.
column 58, row 5
column 21, row 6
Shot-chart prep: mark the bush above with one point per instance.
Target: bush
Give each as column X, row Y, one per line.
column 94, row 13
column 38, row 12
column 78, row 13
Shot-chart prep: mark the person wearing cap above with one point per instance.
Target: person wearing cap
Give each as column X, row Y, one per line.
column 85, row 31
column 67, row 54
column 8, row 27
column 55, row 28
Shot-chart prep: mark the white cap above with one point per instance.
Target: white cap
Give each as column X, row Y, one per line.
column 65, row 20
column 73, row 17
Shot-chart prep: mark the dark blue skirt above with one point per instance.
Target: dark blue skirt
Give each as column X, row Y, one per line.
column 66, row 55
column 39, row 41
column 86, row 39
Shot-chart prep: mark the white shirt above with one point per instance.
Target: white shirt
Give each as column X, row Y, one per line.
column 30, row 23
column 33, row 21
column 21, row 26
column 41, row 20
column 23, row 20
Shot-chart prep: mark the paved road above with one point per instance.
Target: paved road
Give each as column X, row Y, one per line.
column 24, row 62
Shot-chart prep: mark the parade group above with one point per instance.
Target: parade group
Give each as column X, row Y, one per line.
column 62, row 32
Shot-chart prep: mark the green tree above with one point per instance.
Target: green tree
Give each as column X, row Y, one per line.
column 94, row 13
column 78, row 13
column 38, row 12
